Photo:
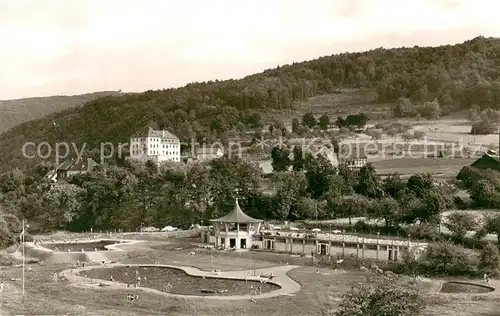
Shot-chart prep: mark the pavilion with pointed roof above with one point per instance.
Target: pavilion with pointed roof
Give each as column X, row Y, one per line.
column 236, row 229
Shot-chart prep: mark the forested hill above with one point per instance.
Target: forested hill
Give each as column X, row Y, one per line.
column 14, row 112
column 458, row 76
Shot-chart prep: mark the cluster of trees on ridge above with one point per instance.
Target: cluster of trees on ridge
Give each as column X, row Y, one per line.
column 457, row 76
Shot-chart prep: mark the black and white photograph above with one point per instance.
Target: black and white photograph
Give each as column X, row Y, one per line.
column 250, row 158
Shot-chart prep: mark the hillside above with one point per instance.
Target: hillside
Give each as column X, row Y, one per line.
column 458, row 76
column 17, row 111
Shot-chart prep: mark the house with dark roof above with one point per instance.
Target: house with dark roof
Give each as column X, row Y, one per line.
column 488, row 161
column 70, row 168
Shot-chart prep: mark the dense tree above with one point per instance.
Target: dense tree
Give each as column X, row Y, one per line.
column 353, row 206
column 368, row 182
column 296, row 127
column 319, row 173
column 309, row 120
column 324, row 122
column 280, row 159
column 430, row 110
column 334, row 144
column 305, row 208
column 489, row 259
column 230, row 177
column 387, row 208
column 289, row 188
column 460, row 223
column 197, row 190
column 354, row 120
column 394, row 186
column 60, row 205
column 11, row 181
column 492, row 226
column 403, row 108
column 420, row 184
column 485, row 193
column 298, row 159
column 349, row 177
column 445, row 257
column 105, row 191
column 484, row 127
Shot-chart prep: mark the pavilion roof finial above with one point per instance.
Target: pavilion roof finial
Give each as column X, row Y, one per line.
column 237, row 191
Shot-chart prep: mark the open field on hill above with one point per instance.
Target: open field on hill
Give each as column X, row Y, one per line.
column 448, row 167
column 346, row 102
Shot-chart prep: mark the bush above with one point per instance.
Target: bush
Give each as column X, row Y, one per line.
column 381, row 296
column 484, row 128
column 5, row 238
column 5, row 261
column 424, row 231
column 445, row 258
column 489, row 259
column 461, row 203
column 361, row 226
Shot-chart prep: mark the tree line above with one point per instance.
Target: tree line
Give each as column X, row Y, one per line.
column 128, row 195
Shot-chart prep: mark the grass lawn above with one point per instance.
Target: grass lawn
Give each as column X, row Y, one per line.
column 319, row 290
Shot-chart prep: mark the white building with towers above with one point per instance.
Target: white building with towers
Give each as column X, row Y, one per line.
column 155, row 145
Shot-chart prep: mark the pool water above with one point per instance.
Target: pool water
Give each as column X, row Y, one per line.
column 464, row 287
column 180, row 282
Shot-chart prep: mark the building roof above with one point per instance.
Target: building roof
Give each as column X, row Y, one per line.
column 330, row 155
column 486, row 161
column 77, row 165
column 208, row 151
column 150, row 132
column 236, row 216
column 65, row 165
column 486, row 158
column 83, row 165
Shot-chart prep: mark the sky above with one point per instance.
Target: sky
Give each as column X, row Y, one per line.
column 67, row 47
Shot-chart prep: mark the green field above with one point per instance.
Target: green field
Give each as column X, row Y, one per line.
column 449, row 167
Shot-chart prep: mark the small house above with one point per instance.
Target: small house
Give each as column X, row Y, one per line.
column 72, row 168
column 355, row 158
column 205, row 153
column 487, row 161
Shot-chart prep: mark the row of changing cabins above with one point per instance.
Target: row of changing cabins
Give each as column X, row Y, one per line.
column 239, row 231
